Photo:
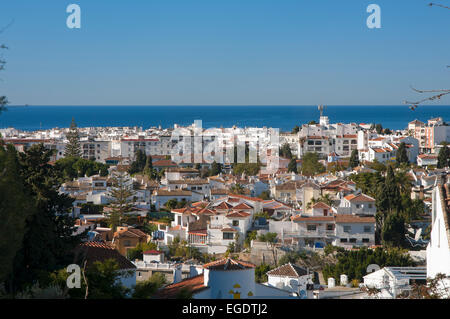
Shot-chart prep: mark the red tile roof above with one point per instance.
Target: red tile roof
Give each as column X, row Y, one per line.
column 92, row 252
column 351, row 219
column 359, row 198
column 193, row 284
column 243, row 206
column 228, row 264
column 288, row 270
column 321, row 205
column 153, row 252
column 238, row 215
column 313, row 219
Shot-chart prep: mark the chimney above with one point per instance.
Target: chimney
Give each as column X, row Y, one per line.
column 177, row 274
column 192, row 271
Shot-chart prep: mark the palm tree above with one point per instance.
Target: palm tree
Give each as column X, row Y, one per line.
column 324, row 199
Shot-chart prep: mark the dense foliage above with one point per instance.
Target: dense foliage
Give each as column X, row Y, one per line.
column 353, row 263
column 311, row 165
column 74, row 167
column 73, row 148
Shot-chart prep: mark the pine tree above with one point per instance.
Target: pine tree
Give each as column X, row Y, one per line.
column 393, row 233
column 48, row 242
column 138, row 165
column 148, row 169
column 73, row 148
column 215, row 169
column 402, row 157
column 292, row 167
column 444, row 156
column 354, row 160
column 15, row 207
column 392, row 190
column 121, row 194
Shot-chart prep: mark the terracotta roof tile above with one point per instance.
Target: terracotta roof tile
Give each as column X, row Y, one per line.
column 193, row 284
column 288, row 270
column 228, row 264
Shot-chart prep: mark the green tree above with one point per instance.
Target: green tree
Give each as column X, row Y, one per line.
column 379, row 128
column 324, row 199
column 148, row 169
column 138, row 165
column 73, row 148
column 402, row 156
column 285, row 151
column 216, row 169
column 16, row 206
column 146, row 289
column 354, row 159
column 103, row 281
column 296, row 129
column 237, row 189
column 48, row 242
column 354, row 263
column 311, row 165
column 292, row 167
column 137, row 252
column 265, row 195
column 444, row 156
column 393, row 233
column 171, row 203
column 261, row 273
column 121, row 193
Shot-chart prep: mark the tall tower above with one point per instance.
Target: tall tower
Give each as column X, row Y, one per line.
column 324, row 121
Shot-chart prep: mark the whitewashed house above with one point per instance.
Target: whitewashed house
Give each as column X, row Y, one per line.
column 291, row 278
column 438, row 250
column 224, row 279
column 392, row 281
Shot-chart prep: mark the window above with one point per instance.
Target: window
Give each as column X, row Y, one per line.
column 370, row 205
column 330, row 226
column 227, row 236
column 325, row 212
column 311, row 227
column 367, row 229
column 343, row 240
column 358, row 206
column 353, row 240
column 365, row 240
column 347, row 229
column 235, row 223
column 127, row 243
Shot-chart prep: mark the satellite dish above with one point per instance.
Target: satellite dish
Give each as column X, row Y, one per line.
column 418, row 234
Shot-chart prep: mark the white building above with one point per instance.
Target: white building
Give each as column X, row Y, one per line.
column 224, row 279
column 291, row 278
column 438, row 250
column 392, row 281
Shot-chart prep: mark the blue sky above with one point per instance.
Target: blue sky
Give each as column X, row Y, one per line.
column 214, row 52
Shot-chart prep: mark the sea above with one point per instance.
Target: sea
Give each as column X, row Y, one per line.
column 32, row 118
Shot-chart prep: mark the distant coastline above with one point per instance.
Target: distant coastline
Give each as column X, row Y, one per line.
column 34, row 117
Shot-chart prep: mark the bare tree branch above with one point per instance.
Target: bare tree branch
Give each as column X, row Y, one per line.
column 441, row 93
column 438, row 5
